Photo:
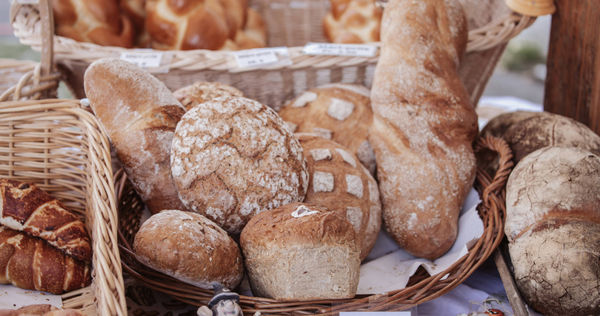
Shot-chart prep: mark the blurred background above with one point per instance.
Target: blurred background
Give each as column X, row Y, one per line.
column 520, row 73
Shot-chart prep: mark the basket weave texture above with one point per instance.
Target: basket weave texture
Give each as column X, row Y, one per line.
column 25, row 80
column 58, row 146
column 421, row 288
column 290, row 23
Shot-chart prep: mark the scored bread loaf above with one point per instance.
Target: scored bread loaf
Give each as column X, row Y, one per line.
column 340, row 112
column 202, row 91
column 353, row 21
column 96, row 21
column 233, row 158
column 338, row 182
column 139, row 114
column 27, row 208
column 301, row 252
column 31, row 263
column 191, row 248
column 424, row 124
column 553, row 229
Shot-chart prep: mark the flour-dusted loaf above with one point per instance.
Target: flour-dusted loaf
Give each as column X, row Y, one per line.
column 233, row 158
column 526, row 132
column 32, row 263
column 338, row 182
column 190, row 248
column 341, row 112
column 301, row 252
column 353, row 21
column 203, row 91
column 139, row 114
column 96, row 21
column 27, row 208
column 424, row 124
column 553, row 229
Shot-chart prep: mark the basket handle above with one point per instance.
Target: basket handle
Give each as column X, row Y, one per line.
column 47, row 20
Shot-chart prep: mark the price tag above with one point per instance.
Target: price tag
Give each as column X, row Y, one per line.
column 143, row 59
column 355, row 50
column 251, row 58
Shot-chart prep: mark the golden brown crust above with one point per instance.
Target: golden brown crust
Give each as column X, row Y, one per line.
column 31, row 263
column 424, row 124
column 202, row 91
column 139, row 114
column 353, row 21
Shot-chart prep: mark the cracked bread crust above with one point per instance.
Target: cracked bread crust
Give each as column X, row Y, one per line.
column 233, row 158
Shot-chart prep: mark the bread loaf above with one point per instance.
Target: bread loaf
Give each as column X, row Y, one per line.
column 27, row 208
column 139, row 114
column 253, row 34
column 41, row 310
column 233, row 158
column 338, row 182
column 341, row 112
column 553, row 229
column 423, row 124
column 526, row 132
column 301, row 252
column 353, row 21
column 95, row 21
column 191, row 248
column 31, row 263
column 202, row 91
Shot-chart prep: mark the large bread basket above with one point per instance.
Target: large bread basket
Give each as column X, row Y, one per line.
column 291, row 23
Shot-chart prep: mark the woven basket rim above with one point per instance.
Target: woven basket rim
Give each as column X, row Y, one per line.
column 498, row 31
column 492, row 211
column 101, row 207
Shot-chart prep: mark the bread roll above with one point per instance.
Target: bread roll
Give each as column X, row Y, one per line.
column 253, row 34
column 553, row 228
column 95, row 21
column 353, row 21
column 190, row 248
column 338, row 182
column 424, row 124
column 341, row 112
column 31, row 263
column 139, row 114
column 526, row 132
column 202, row 91
column 233, row 158
column 27, row 208
column 301, row 252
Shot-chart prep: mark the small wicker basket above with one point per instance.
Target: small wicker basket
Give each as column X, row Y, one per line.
column 290, row 23
column 59, row 146
column 420, row 289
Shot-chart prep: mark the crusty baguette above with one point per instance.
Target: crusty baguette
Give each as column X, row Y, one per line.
column 139, row 114
column 25, row 207
column 423, row 124
column 31, row 263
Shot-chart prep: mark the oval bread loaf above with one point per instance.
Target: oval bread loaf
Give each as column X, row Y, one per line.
column 190, row 248
column 301, row 252
column 553, row 228
column 202, row 91
column 338, row 182
column 233, row 158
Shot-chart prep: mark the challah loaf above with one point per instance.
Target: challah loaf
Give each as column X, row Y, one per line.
column 353, row 21
column 423, row 125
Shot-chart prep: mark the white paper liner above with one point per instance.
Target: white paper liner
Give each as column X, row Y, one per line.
column 12, row 297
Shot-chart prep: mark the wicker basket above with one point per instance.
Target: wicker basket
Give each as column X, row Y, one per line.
column 420, row 289
column 57, row 145
column 290, row 23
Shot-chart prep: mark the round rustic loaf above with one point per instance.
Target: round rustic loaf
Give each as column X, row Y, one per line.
column 338, row 182
column 301, row 252
column 526, row 132
column 203, row 91
column 341, row 112
column 553, row 228
column 233, row 158
column 190, row 248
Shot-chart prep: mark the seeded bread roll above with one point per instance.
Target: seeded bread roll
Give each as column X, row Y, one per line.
column 301, row 252
column 340, row 112
column 338, row 182
column 233, row 158
column 202, row 91
column 190, row 248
